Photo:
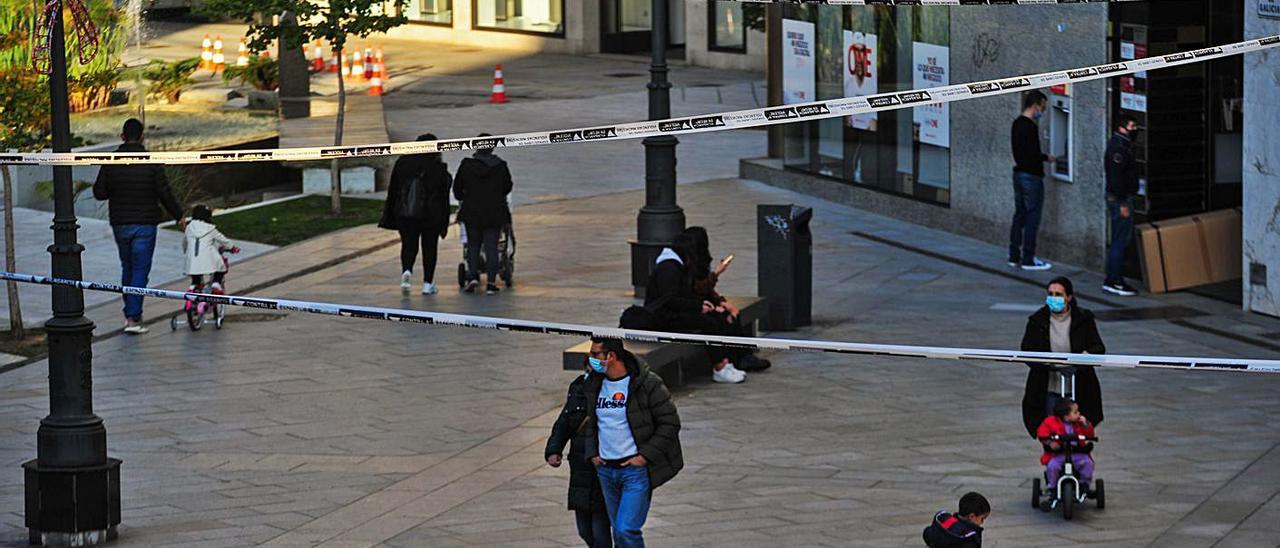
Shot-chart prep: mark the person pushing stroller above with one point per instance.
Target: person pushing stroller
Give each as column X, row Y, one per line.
column 481, row 186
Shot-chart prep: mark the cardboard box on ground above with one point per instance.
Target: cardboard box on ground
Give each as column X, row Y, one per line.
column 1190, row 251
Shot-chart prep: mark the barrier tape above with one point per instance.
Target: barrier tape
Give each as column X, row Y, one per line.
column 751, row 343
column 816, row 110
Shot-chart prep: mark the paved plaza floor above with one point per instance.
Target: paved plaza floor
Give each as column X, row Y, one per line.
column 296, row 430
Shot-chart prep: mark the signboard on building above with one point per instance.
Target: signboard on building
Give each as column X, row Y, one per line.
column 1269, row 8
column 931, row 67
column 860, row 72
column 799, row 76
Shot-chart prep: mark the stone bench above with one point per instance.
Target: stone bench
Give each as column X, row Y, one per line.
column 676, row 362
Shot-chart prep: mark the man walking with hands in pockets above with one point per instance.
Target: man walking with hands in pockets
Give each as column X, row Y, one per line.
column 633, row 437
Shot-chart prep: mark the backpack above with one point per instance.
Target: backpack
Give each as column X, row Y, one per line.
column 644, row 318
column 413, row 198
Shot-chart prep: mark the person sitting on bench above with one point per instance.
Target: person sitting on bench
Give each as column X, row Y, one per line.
column 704, row 286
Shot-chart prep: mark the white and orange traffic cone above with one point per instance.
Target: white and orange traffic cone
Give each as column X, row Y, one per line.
column 242, row 54
column 206, row 53
column 379, row 64
column 499, row 94
column 219, row 60
column 368, row 62
column 357, row 66
column 332, row 64
column 346, row 67
column 375, row 85
column 317, row 58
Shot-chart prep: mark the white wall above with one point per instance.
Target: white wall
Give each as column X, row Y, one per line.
column 1261, row 166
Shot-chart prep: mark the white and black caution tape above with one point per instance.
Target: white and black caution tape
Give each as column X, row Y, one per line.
column 578, row 330
column 817, row 110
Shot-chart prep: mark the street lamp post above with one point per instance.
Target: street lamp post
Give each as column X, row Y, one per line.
column 72, row 488
column 660, row 219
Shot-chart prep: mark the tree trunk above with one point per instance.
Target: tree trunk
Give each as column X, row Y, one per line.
column 335, row 170
column 16, row 329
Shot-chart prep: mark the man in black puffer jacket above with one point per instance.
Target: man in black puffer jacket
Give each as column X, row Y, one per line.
column 135, row 194
column 633, row 437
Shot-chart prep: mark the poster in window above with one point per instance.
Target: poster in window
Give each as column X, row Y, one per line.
column 860, row 74
column 931, row 65
column 799, row 74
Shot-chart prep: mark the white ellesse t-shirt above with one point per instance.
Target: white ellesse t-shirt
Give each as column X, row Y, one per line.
column 611, row 414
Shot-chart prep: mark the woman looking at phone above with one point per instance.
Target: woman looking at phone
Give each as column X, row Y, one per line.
column 704, row 286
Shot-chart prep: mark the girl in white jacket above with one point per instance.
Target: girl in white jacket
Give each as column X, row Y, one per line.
column 204, row 246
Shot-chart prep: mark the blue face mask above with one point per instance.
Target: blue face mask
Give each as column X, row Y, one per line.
column 1056, row 304
column 596, row 364
column 1038, row 115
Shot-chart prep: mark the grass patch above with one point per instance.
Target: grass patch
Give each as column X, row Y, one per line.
column 32, row 345
column 296, row 220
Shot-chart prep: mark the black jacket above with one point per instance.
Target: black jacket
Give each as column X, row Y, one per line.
column 435, row 174
column 948, row 531
column 1024, row 139
column 653, row 419
column 1122, row 167
column 570, row 428
column 482, row 186
column 1084, row 338
column 670, row 280
column 135, row 192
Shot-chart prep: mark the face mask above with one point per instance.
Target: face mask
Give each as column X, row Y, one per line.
column 1056, row 304
column 1038, row 115
column 597, row 365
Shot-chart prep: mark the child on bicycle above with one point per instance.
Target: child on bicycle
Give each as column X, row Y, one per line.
column 204, row 246
column 1067, row 423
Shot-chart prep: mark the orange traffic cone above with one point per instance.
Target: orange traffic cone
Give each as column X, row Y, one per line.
column 346, row 68
column 379, row 64
column 357, row 66
column 368, row 62
column 219, row 60
column 332, row 64
column 206, row 53
column 499, row 89
column 375, row 85
column 317, row 58
column 242, row 54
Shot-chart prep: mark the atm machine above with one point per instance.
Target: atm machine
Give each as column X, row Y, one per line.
column 1057, row 130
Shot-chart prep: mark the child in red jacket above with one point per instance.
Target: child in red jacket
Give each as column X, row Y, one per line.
column 1066, row 422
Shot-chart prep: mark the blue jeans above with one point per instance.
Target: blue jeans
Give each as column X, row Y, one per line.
column 1028, row 200
column 1121, row 233
column 593, row 527
column 137, row 244
column 626, row 497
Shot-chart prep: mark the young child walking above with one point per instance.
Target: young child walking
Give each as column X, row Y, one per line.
column 1067, row 423
column 203, row 246
column 962, row 529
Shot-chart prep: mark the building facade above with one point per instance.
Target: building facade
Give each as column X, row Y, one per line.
column 707, row 33
column 950, row 166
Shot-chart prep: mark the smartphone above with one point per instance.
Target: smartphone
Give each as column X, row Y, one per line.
column 727, row 260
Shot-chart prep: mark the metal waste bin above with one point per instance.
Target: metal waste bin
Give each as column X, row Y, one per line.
column 785, row 265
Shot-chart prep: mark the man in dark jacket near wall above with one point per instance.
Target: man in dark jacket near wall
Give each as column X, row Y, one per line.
column 135, row 194
column 1028, row 183
column 633, row 437
column 1122, row 186
column 481, row 187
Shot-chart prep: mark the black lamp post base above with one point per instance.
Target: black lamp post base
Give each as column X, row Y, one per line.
column 72, row 506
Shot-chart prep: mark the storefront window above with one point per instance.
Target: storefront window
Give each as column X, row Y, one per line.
column 863, row 51
column 727, row 30
column 531, row 16
column 436, row 12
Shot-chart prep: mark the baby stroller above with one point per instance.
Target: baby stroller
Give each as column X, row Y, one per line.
column 506, row 256
column 1067, row 492
column 194, row 311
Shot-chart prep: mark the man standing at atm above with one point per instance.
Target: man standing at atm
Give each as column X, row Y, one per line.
column 1028, row 183
column 1122, row 186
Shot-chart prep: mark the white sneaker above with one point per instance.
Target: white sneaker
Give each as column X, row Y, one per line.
column 429, row 289
column 728, row 374
column 135, row 328
column 406, row 281
column 1036, row 264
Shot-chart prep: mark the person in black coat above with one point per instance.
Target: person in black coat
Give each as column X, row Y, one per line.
column 670, row 294
column 482, row 186
column 704, row 286
column 135, row 195
column 418, row 207
column 1062, row 325
column 585, row 498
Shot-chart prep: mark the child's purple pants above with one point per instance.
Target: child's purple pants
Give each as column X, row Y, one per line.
column 1082, row 462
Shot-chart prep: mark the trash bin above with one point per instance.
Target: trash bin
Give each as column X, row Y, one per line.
column 785, row 259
